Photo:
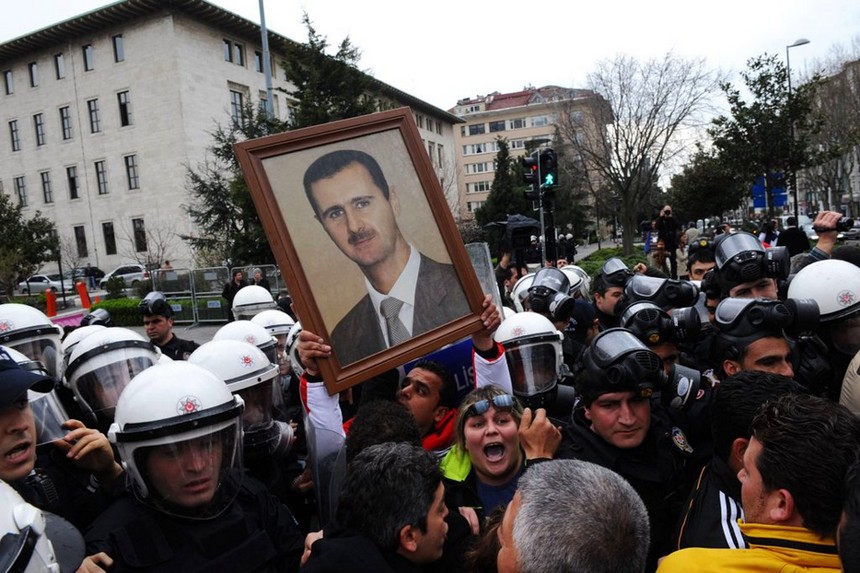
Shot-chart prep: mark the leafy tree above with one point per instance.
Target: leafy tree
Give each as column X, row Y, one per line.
column 707, row 186
column 25, row 244
column 756, row 138
column 327, row 88
column 637, row 129
column 572, row 211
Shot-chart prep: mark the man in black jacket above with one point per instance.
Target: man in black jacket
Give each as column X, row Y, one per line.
column 793, row 238
column 390, row 516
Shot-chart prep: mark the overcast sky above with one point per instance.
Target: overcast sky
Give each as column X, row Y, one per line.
column 450, row 49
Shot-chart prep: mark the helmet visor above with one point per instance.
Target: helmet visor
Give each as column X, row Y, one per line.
column 196, row 478
column 533, row 367
column 99, row 389
column 734, row 245
column 258, row 406
column 44, row 350
column 49, row 415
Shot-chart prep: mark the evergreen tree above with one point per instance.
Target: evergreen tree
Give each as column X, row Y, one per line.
column 328, row 88
column 506, row 195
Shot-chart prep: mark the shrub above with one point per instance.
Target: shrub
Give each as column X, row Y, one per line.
column 124, row 311
column 115, row 288
column 594, row 262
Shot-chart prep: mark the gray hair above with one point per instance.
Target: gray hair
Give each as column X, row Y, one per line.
column 576, row 516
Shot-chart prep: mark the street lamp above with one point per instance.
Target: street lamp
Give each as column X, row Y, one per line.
column 793, row 181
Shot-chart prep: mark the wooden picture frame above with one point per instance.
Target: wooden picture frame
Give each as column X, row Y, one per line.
column 350, row 238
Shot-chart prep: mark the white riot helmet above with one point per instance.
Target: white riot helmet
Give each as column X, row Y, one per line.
column 247, row 331
column 521, row 290
column 102, row 365
column 30, row 332
column 175, row 413
column 835, row 285
column 73, row 338
column 293, row 349
column 277, row 322
column 534, row 355
column 248, row 373
column 25, row 546
column 575, row 280
column 250, row 300
column 585, row 286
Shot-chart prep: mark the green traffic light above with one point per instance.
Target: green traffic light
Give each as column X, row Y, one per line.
column 549, row 180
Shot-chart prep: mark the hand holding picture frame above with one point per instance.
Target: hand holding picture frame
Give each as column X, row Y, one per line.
column 365, row 240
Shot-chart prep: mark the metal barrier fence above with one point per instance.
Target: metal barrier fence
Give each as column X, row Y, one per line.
column 196, row 294
column 178, row 286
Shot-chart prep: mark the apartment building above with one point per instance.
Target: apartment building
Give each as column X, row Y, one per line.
column 104, row 113
column 521, row 118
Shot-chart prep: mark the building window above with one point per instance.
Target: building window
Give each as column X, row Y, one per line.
column 228, row 51
column 139, row 230
column 47, row 192
column 124, row 108
column 441, row 155
column 81, row 240
column 118, row 49
column 477, row 167
column 21, row 190
column 16, row 137
column 131, row 172
column 39, row 126
column 518, row 144
column 110, row 238
column 540, row 121
column 101, row 177
column 237, row 107
column 33, row 68
column 95, row 117
column 518, row 123
column 60, row 65
column 472, row 205
column 431, row 151
column 497, row 126
column 439, row 127
column 238, row 57
column 87, row 51
column 8, row 82
column 477, row 129
column 258, row 61
column 72, row 179
column 478, row 187
column 66, row 122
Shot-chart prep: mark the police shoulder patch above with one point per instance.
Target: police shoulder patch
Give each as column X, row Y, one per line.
column 680, row 440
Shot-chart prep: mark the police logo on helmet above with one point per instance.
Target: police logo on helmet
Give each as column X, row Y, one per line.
column 845, row 298
column 6, row 326
column 188, row 405
column 246, row 361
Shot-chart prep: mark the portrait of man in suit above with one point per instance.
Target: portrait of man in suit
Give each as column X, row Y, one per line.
column 407, row 292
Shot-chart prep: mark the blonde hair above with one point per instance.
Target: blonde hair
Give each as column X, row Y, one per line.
column 484, row 393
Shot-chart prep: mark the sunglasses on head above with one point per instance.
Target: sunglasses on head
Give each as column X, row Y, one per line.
column 481, row 406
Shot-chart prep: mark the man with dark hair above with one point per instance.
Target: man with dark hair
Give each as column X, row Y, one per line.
column 607, row 289
column 407, row 292
column 700, row 259
column 378, row 422
column 793, row 238
column 667, row 231
column 158, row 321
column 792, row 486
column 573, row 517
column 714, row 506
column 390, row 514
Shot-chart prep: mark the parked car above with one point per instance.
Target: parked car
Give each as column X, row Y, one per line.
column 42, row 283
column 852, row 234
column 131, row 273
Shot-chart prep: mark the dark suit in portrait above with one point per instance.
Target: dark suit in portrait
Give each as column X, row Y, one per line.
column 439, row 299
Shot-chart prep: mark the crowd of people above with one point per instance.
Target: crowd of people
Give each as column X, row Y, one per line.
column 625, row 421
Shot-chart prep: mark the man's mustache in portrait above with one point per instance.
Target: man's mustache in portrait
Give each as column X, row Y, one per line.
column 360, row 235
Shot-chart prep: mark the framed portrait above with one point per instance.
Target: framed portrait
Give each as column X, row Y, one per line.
column 365, row 240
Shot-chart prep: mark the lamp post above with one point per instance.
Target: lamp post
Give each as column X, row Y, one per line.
column 793, row 180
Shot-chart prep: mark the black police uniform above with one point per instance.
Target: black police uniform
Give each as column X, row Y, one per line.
column 255, row 533
column 178, row 349
column 657, row 469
